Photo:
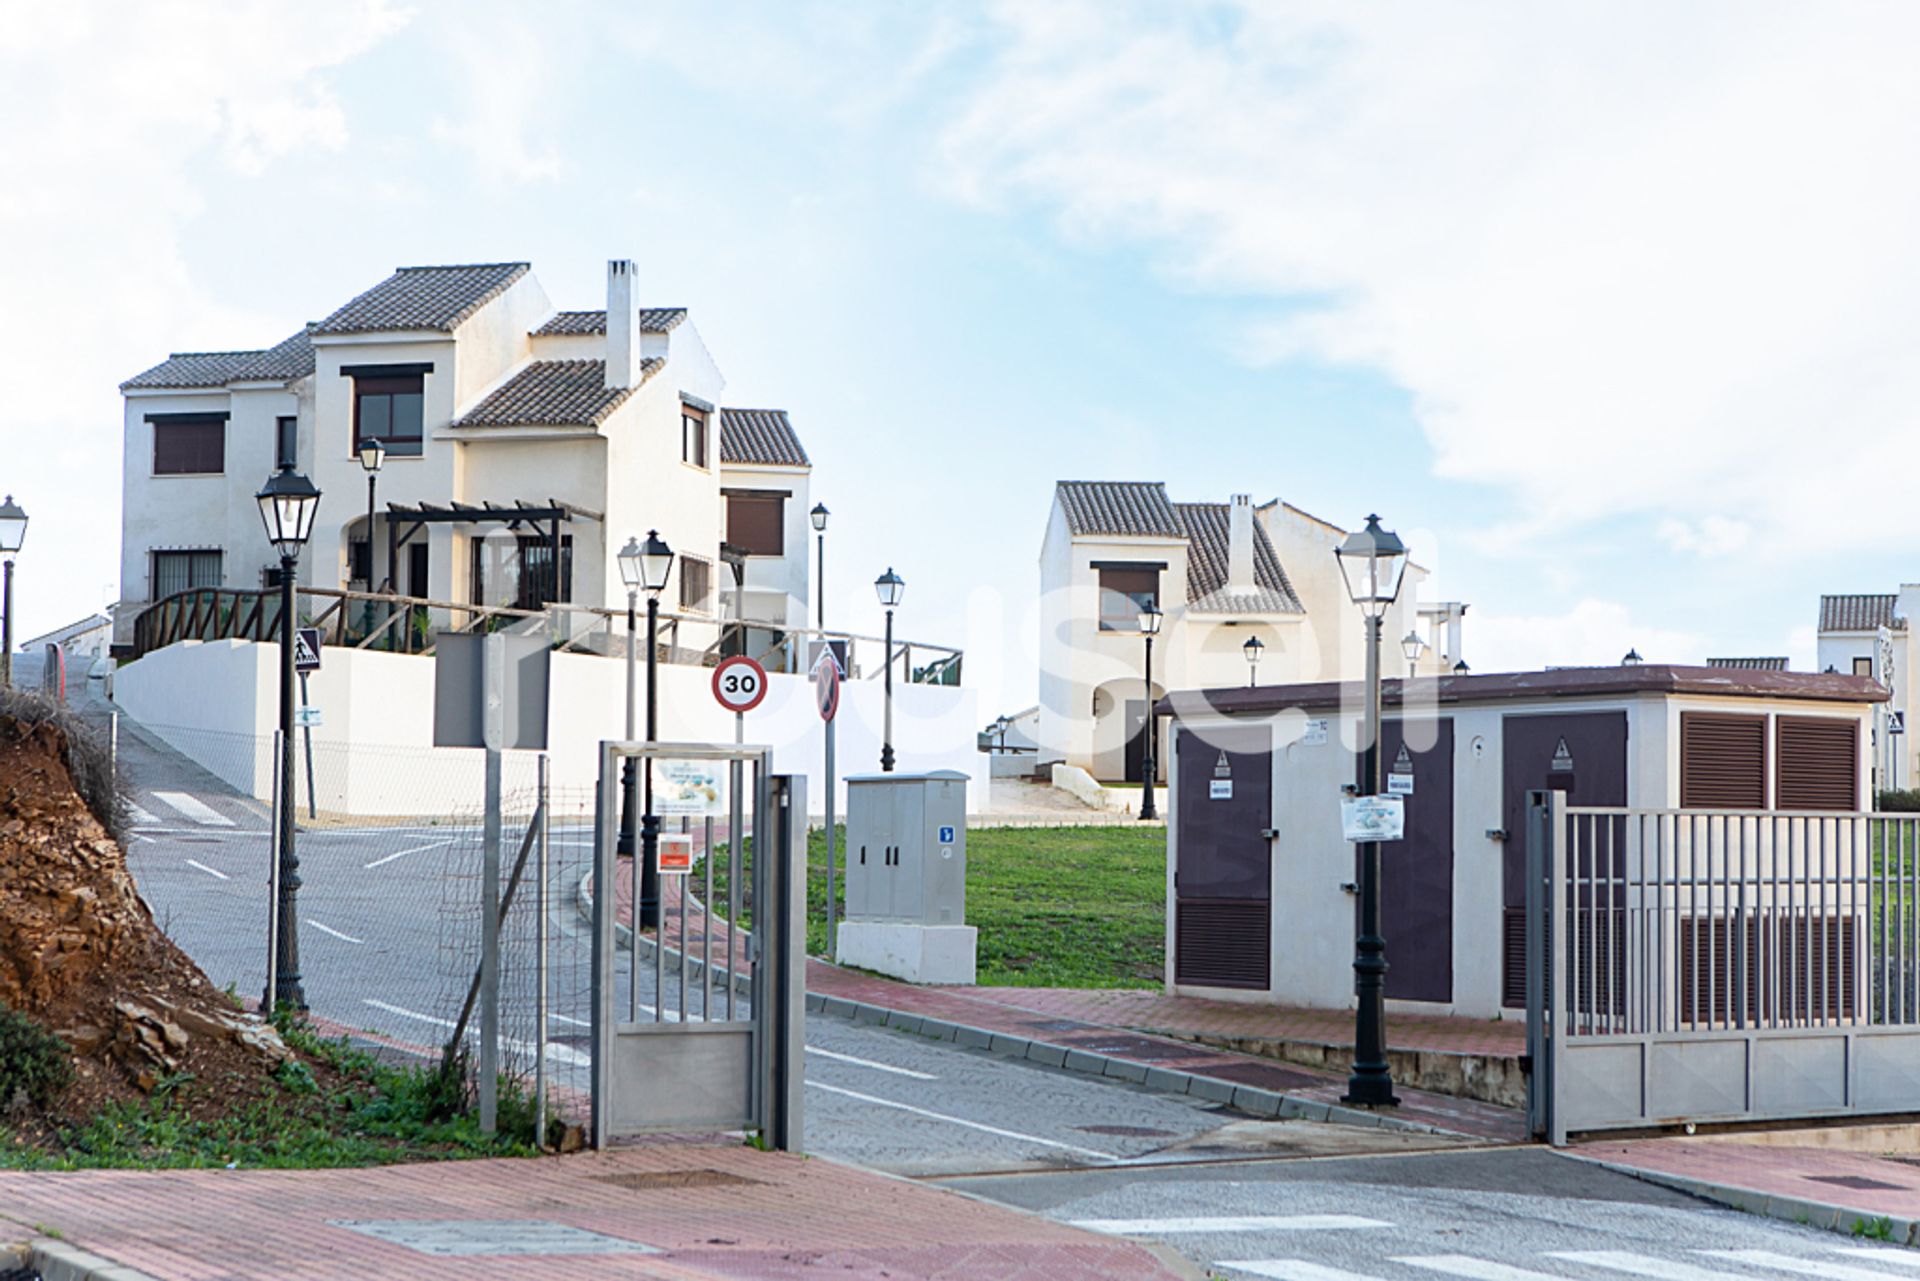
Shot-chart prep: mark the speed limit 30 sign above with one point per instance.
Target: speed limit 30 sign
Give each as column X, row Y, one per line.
column 739, row 683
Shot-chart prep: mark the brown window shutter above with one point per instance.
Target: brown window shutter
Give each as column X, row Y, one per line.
column 1723, row 761
column 757, row 523
column 1817, row 763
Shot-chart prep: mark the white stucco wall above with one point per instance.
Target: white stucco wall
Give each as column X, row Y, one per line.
column 215, row 701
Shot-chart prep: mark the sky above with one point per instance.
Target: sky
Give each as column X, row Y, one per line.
column 1609, row 307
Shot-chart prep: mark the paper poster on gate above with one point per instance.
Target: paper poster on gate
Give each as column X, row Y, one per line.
column 695, row 788
column 1373, row 818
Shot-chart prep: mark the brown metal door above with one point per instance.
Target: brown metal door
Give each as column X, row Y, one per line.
column 1416, row 874
column 1223, row 886
column 1581, row 753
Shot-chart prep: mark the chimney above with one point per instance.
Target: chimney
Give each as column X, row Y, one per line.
column 623, row 326
column 1240, row 543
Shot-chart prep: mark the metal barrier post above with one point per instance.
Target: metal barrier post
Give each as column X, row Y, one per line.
column 273, row 889
column 540, row 965
column 786, row 957
column 1538, row 817
column 1559, row 989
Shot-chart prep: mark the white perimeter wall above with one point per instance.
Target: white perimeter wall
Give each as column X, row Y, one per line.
column 381, row 707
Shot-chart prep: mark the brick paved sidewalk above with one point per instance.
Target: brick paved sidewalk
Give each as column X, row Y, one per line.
column 713, row 1209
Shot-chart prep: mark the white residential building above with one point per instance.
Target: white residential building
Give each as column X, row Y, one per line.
column 516, row 435
column 1221, row 573
column 1871, row 635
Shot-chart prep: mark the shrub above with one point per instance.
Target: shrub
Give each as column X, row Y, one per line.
column 1900, row 801
column 33, row 1061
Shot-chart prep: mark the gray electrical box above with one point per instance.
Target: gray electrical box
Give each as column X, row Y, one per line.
column 907, row 848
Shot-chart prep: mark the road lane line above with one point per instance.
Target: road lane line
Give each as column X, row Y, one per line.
column 955, row 1120
column 869, row 1063
column 1641, row 1265
column 210, row 871
column 140, row 817
column 1787, row 1263
column 1465, row 1265
column 558, row 1053
column 1175, row 1226
column 194, row 808
column 328, row 929
column 1881, row 1254
column 431, row 845
column 1292, row 1270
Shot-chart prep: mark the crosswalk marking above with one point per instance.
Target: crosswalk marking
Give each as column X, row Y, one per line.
column 140, row 817
column 1881, row 1254
column 1228, row 1223
column 1292, row 1270
column 194, row 808
column 1463, row 1265
column 1805, row 1267
column 1641, row 1265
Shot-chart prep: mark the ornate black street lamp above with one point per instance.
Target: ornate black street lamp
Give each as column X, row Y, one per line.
column 655, row 563
column 1149, row 627
column 1412, row 646
column 288, row 504
column 13, row 533
column 819, row 517
column 1373, row 562
column 1255, row 651
column 891, row 587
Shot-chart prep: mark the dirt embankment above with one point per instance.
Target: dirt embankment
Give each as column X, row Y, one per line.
column 80, row 953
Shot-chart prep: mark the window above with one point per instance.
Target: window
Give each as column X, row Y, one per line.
column 757, row 521
column 1124, row 592
column 1723, row 761
column 392, row 410
column 1817, row 763
column 286, row 445
column 184, row 571
column 185, row 445
column 693, row 435
column 1863, row 667
column 696, row 585
column 517, row 574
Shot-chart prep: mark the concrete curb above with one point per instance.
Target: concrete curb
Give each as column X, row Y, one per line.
column 58, row 1261
column 1253, row 1101
column 1826, row 1216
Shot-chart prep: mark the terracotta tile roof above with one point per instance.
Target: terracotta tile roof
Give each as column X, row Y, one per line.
column 554, row 393
column 1119, row 508
column 1750, row 664
column 287, row 360
column 653, row 320
column 1206, row 526
column 1857, row 613
column 435, row 298
column 762, row 437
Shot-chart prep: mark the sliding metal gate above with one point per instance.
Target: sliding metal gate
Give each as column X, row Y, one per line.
column 699, row 1023
column 1719, row 965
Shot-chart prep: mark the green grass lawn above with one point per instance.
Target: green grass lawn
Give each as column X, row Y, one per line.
column 1055, row 906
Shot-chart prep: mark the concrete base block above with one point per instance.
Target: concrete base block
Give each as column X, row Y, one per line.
column 916, row 953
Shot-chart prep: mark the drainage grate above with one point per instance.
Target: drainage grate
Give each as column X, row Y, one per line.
column 1125, row 1131
column 458, row 1238
column 1856, row 1183
column 659, row 1180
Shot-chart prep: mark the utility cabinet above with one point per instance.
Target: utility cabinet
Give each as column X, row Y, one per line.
column 906, row 877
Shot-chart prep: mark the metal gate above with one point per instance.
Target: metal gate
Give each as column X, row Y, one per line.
column 703, row 1026
column 1719, row 965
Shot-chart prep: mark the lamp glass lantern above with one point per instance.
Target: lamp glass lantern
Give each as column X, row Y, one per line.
column 1150, row 617
column 1412, row 646
column 1631, row 659
column 629, row 559
column 13, row 527
column 288, row 504
column 891, row 588
column 819, row 516
column 372, row 453
column 656, row 563
column 1373, row 561
column 1255, row 649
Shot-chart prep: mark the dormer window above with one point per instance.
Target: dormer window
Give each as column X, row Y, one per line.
column 389, row 405
column 693, row 435
column 1126, row 588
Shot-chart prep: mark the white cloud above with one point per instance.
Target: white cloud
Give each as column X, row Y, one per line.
column 1638, row 260
column 1592, row 633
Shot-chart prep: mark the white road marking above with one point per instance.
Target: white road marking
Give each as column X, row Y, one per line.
column 210, row 871
column 1292, row 1270
column 328, row 929
column 1641, row 1265
column 140, row 817
column 431, row 845
column 954, row 1120
column 1465, row 1265
column 1881, row 1254
column 558, row 1053
column 1805, row 1267
column 194, row 808
column 869, row 1063
column 1229, row 1223
column 563, row 1018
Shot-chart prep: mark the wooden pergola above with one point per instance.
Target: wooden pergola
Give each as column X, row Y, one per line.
column 544, row 519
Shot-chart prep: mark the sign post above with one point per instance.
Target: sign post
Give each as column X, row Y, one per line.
column 306, row 658
column 826, row 690
column 739, row 685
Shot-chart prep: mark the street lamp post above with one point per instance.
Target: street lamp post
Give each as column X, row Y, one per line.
column 891, row 587
column 629, row 559
column 1412, row 646
column 288, row 504
column 655, row 564
column 1372, row 561
column 13, row 532
column 819, row 516
column 1255, row 651
column 1149, row 628
column 1631, row 658
column 372, row 454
